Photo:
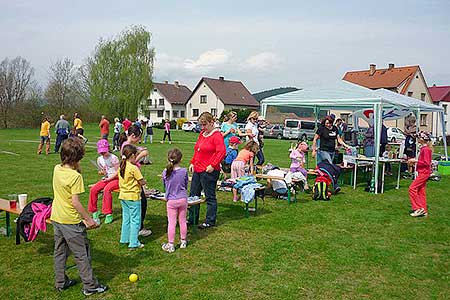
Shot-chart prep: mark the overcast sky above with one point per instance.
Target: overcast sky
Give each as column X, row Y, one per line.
column 281, row 43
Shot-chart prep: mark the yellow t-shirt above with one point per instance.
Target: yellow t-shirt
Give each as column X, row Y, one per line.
column 77, row 123
column 129, row 186
column 45, row 127
column 66, row 182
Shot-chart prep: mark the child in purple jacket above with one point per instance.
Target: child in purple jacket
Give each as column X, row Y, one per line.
column 175, row 182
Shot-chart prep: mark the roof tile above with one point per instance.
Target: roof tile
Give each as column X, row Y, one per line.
column 173, row 93
column 440, row 93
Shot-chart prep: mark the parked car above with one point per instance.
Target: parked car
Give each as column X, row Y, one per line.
column 241, row 127
column 189, row 126
column 274, row 131
column 395, row 135
column 197, row 128
column 299, row 129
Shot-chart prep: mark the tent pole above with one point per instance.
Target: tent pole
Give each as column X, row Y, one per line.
column 377, row 108
column 444, row 135
column 264, row 110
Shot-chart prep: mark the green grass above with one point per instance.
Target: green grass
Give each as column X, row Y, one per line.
column 358, row 246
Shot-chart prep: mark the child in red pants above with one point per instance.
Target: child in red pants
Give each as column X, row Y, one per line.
column 108, row 164
column 417, row 189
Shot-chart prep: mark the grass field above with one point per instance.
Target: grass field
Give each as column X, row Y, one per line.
column 357, row 246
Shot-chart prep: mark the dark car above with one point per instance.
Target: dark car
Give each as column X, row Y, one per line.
column 274, row 131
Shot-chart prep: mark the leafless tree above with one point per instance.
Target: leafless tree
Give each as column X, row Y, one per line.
column 15, row 77
column 61, row 88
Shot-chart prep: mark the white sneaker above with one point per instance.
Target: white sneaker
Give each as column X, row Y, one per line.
column 418, row 213
column 168, row 247
column 145, row 232
column 183, row 244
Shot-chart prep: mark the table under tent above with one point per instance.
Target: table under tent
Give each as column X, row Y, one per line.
column 343, row 95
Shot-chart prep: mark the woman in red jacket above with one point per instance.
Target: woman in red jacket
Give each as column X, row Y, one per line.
column 209, row 151
column 417, row 189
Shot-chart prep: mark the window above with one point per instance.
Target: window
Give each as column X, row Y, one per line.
column 202, row 99
column 347, row 119
column 394, row 130
column 161, row 101
column 149, row 102
column 160, row 113
column 423, row 120
column 410, row 94
column 195, row 112
column 167, row 114
column 307, row 125
column 182, row 114
column 214, row 111
column 445, row 109
column 155, row 90
column 422, row 96
column 175, row 114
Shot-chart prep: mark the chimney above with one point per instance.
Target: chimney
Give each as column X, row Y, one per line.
column 391, row 66
column 373, row 68
column 221, row 78
column 177, row 84
column 166, row 81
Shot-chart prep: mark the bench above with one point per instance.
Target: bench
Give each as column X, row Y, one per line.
column 268, row 178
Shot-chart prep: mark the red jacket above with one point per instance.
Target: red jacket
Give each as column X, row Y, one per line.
column 424, row 161
column 208, row 151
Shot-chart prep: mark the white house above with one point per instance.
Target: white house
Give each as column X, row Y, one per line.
column 441, row 97
column 408, row 81
column 216, row 95
column 166, row 101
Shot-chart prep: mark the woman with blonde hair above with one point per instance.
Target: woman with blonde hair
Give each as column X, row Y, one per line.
column 209, row 151
column 229, row 127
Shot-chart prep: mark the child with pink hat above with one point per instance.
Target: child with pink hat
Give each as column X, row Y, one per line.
column 108, row 165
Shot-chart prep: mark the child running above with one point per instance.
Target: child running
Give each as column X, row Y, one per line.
column 130, row 182
column 108, row 165
column 245, row 156
column 70, row 220
column 417, row 189
column 175, row 182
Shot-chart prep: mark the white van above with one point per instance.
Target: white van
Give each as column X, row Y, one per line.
column 299, row 129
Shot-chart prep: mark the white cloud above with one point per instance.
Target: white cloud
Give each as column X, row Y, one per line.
column 208, row 60
column 263, row 61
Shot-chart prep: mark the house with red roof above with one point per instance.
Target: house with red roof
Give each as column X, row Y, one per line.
column 441, row 97
column 408, row 81
column 216, row 95
column 166, row 101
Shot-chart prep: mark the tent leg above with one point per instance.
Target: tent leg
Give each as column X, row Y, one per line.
column 444, row 135
column 378, row 120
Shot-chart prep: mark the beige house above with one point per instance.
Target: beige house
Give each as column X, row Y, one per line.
column 216, row 95
column 166, row 101
column 408, row 81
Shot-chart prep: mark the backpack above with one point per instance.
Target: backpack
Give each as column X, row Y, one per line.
column 23, row 223
column 320, row 191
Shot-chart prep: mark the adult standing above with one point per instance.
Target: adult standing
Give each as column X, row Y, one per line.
column 148, row 131
column 126, row 124
column 104, row 128
column 328, row 135
column 167, row 132
column 117, row 129
column 252, row 133
column 262, row 124
column 44, row 136
column 369, row 142
column 229, row 128
column 62, row 129
column 209, row 151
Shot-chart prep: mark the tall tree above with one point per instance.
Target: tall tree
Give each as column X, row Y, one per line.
column 60, row 91
column 118, row 76
column 15, row 77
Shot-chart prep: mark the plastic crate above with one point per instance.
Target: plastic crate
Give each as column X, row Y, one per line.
column 444, row 167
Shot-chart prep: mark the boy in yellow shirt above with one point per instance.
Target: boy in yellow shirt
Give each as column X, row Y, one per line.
column 71, row 220
column 45, row 136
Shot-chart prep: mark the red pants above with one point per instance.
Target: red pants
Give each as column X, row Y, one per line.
column 107, row 187
column 417, row 193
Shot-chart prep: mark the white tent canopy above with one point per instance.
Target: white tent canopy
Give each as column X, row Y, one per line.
column 348, row 96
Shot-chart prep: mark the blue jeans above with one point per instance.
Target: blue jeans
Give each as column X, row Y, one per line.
column 369, row 151
column 131, row 222
column 325, row 155
column 59, row 139
column 260, row 157
column 206, row 182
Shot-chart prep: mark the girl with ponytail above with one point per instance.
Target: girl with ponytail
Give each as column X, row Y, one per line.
column 175, row 181
column 130, row 184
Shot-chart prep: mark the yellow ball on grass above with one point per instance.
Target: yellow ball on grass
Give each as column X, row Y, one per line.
column 133, row 278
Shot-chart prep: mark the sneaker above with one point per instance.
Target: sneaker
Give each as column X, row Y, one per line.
column 66, row 285
column 168, row 247
column 162, row 142
column 135, row 248
column 108, row 219
column 145, row 232
column 205, row 226
column 418, row 213
column 183, row 244
column 98, row 290
column 96, row 217
column 337, row 190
